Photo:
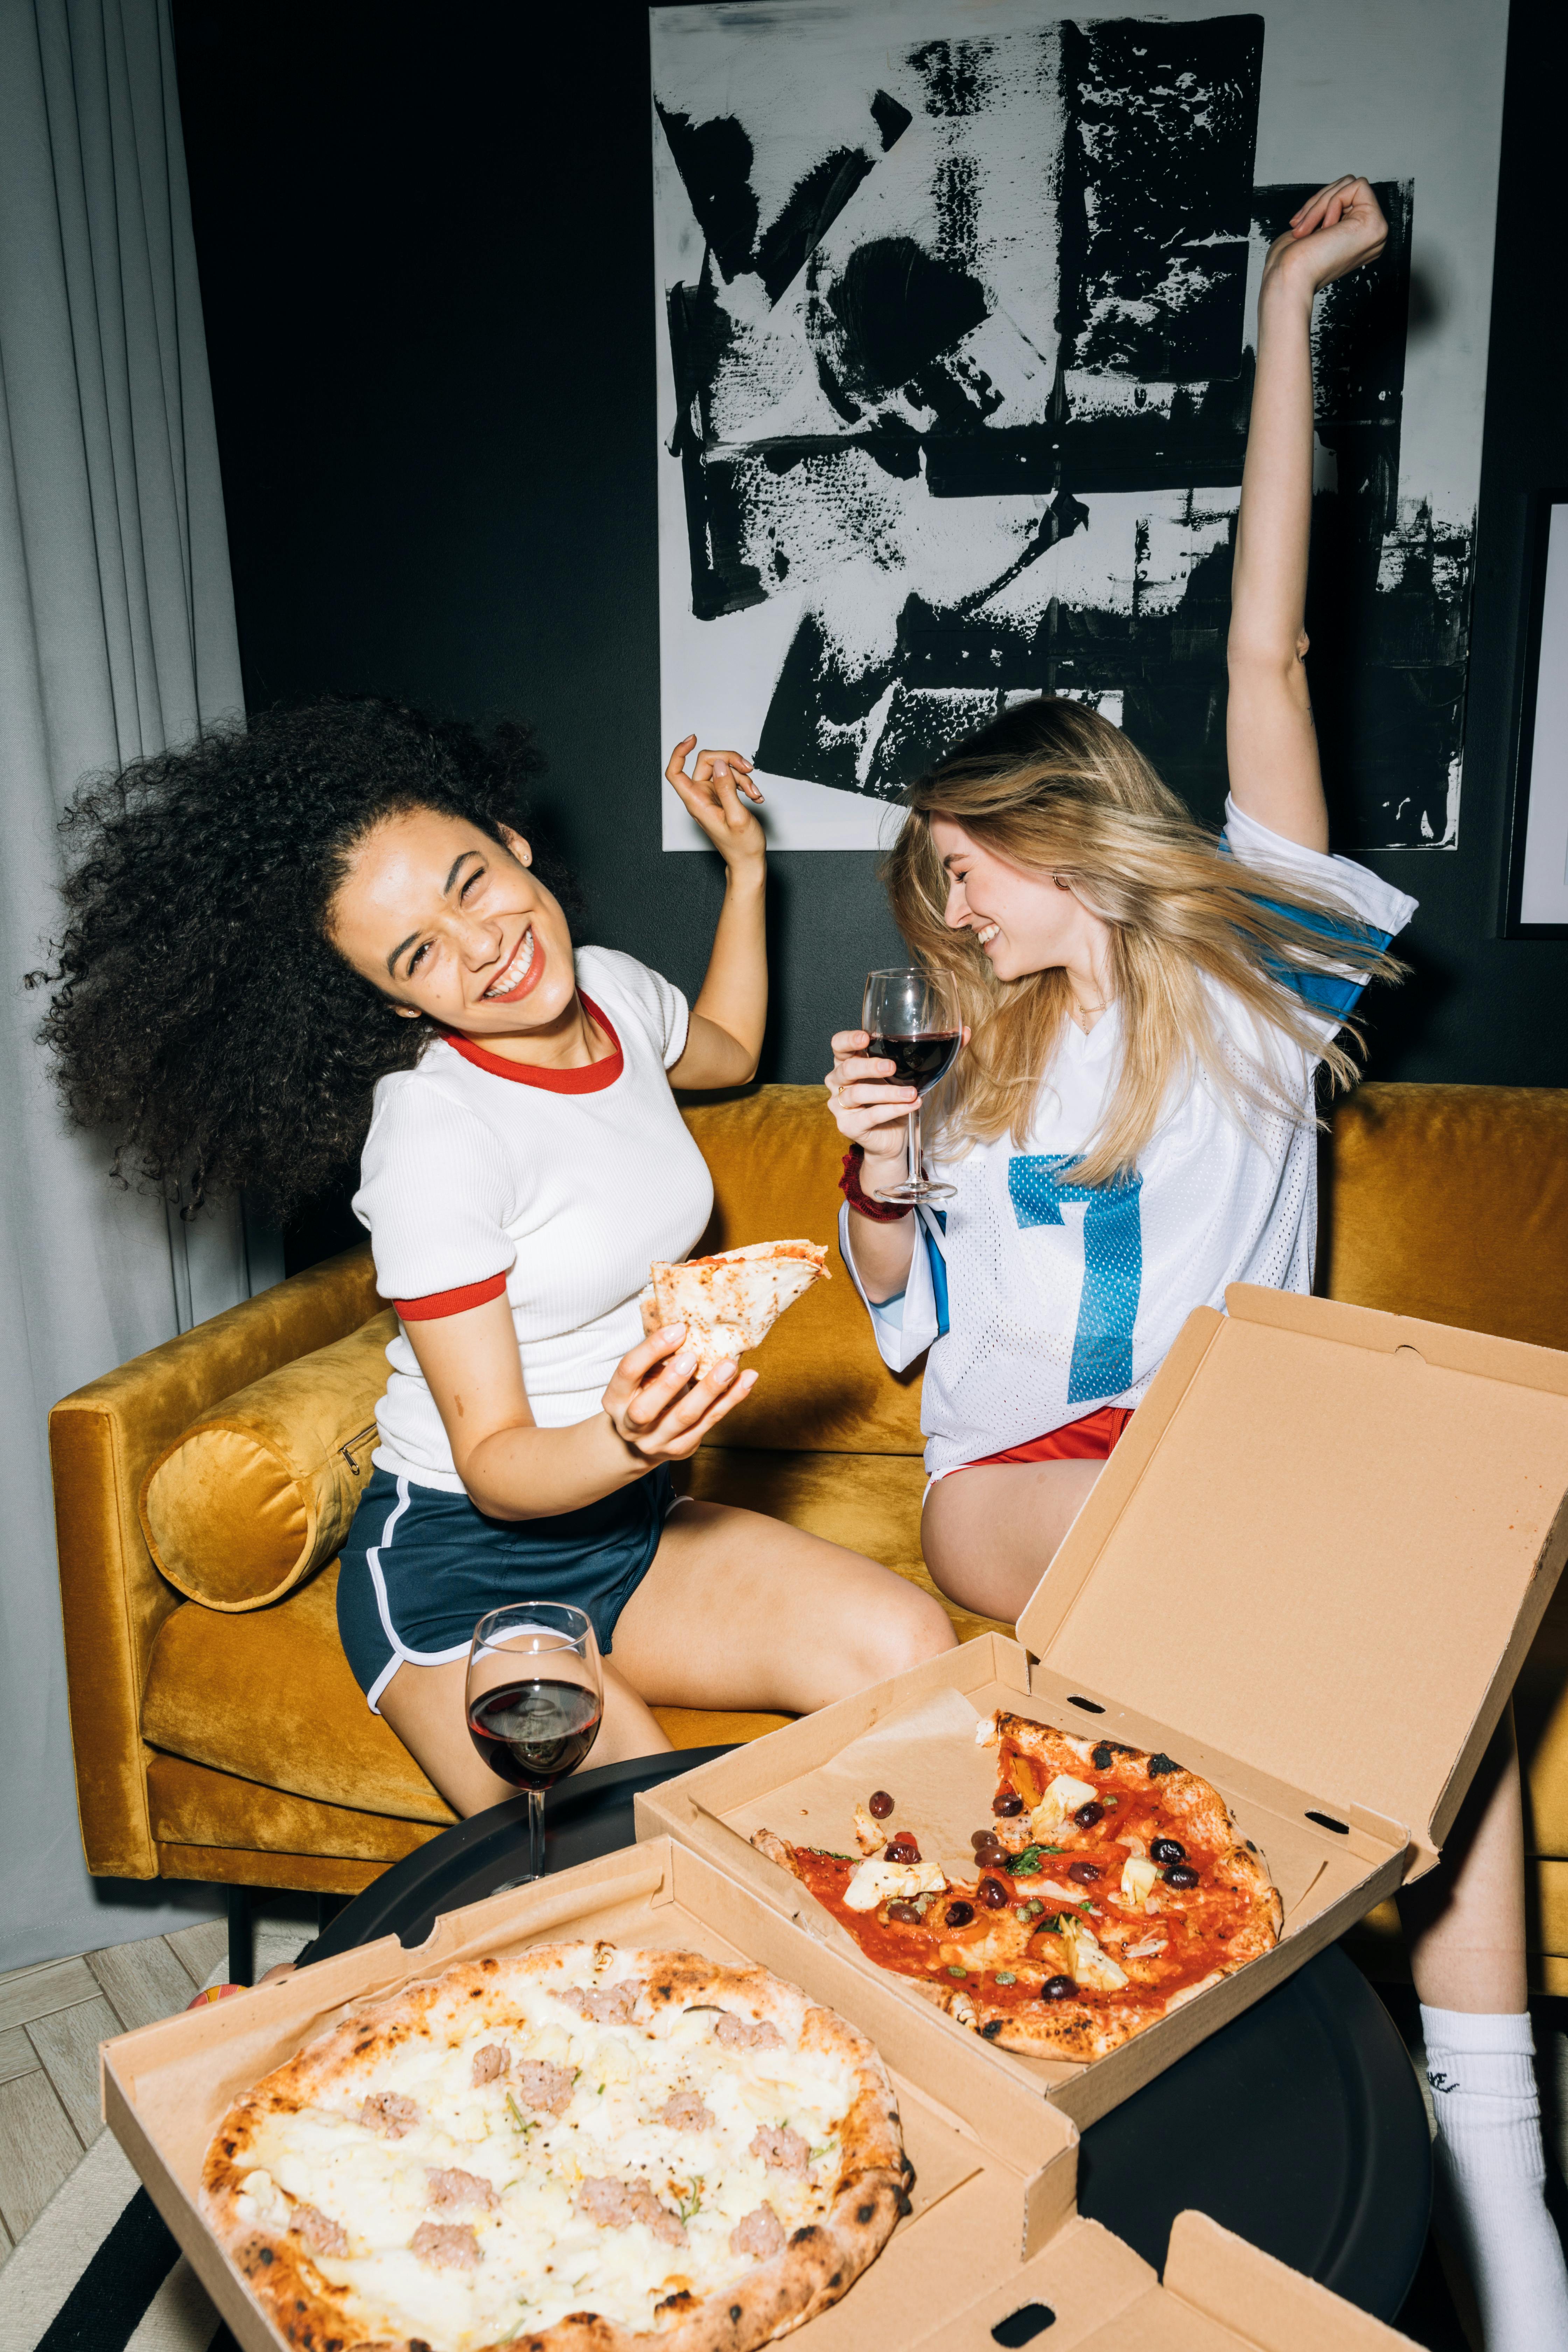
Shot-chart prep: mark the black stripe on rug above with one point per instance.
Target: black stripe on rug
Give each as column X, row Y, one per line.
column 104, row 2308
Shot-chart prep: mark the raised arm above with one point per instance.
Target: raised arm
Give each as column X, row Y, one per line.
column 1271, row 742
column 730, row 1012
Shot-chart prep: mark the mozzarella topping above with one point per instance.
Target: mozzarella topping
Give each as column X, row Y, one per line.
column 883, row 1882
column 677, row 2134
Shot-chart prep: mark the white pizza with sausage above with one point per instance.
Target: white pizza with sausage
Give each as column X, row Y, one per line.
column 576, row 2148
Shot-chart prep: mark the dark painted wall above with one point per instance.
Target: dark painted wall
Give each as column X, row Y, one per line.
column 426, row 244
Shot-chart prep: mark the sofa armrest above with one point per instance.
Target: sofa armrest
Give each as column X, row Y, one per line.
column 102, row 1440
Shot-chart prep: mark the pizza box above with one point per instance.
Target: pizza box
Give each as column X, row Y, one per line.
column 992, row 2250
column 1309, row 1573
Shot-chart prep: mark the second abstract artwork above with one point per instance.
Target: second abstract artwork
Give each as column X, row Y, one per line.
column 954, row 325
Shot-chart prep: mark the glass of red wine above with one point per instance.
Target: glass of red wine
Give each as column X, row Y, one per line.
column 909, row 1025
column 535, row 1695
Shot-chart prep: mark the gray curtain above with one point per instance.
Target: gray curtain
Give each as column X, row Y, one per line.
column 117, row 638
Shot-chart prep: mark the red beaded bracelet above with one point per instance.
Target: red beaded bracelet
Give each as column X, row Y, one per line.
column 881, row 1212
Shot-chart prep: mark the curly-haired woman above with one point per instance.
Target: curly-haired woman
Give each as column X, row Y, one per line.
column 1130, row 1130
column 329, row 923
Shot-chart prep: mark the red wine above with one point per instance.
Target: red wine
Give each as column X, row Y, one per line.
column 534, row 1733
column 922, row 1061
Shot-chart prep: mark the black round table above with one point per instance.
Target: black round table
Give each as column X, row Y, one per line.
column 1300, row 2125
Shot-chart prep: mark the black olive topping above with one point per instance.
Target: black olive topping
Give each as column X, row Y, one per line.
column 1057, row 1988
column 958, row 1915
column 1180, row 1873
column 1165, row 1849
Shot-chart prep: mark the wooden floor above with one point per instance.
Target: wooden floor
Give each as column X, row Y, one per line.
column 52, row 2020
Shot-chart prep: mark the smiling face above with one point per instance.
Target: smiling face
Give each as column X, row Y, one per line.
column 1024, row 922
column 446, row 921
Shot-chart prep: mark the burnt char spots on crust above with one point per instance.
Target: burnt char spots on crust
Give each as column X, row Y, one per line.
column 1110, row 1886
column 652, row 2097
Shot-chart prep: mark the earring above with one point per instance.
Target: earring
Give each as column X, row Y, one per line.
column 1061, row 881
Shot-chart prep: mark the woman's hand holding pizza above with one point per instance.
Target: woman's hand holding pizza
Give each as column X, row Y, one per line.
column 654, row 1405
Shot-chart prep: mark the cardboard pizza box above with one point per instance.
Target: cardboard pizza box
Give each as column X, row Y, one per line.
column 1310, row 1573
column 992, row 2250
column 1095, row 2294
column 994, row 2177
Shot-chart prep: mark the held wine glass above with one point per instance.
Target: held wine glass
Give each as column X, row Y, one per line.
column 535, row 1695
column 910, row 1026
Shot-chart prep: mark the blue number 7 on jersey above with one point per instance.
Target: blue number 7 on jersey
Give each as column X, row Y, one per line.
column 1112, row 1266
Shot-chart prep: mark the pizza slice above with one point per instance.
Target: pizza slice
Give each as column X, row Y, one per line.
column 1110, row 1887
column 730, row 1302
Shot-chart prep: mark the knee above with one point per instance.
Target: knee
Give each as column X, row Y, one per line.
column 905, row 1634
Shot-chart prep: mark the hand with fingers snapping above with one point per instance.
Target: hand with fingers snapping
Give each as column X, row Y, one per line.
column 655, row 1406
column 715, row 794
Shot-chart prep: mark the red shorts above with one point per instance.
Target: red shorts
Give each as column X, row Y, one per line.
column 1092, row 1439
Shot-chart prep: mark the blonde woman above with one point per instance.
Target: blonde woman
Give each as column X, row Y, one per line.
column 1130, row 1130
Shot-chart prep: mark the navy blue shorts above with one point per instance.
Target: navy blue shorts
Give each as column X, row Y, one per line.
column 422, row 1567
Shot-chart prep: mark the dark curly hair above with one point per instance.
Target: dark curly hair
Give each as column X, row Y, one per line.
column 200, row 1013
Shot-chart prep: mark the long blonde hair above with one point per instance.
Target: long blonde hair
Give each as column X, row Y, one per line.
column 1054, row 789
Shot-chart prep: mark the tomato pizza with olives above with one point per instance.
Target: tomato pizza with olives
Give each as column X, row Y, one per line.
column 1110, row 1886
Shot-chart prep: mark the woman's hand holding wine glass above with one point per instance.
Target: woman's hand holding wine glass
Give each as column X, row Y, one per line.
column 879, row 1074
column 869, row 1108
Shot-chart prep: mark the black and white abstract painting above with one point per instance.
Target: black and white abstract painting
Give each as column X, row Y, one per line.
column 955, row 310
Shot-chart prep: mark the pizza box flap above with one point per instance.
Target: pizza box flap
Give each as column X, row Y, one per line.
column 1323, row 1546
column 1095, row 2294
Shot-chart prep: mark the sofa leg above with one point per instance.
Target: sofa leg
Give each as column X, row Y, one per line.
column 241, row 1937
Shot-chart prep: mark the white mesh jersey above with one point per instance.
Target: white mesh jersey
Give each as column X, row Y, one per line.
column 1041, row 1299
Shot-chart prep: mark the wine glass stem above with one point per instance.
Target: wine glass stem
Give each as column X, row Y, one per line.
column 914, row 1176
column 535, row 1833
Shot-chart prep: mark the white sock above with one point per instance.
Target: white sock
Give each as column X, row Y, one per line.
column 1491, row 2175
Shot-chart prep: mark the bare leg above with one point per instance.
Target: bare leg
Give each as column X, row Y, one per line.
column 737, row 1610
column 740, row 1611
column 424, row 1705
column 1465, row 1923
column 989, row 1536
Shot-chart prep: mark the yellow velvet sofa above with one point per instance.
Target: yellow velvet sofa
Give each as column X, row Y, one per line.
column 222, row 1738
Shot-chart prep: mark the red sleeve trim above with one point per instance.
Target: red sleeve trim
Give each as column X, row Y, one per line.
column 438, row 1303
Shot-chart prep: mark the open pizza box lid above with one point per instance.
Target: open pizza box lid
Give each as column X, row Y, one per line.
column 992, row 2250
column 1323, row 1547
column 1309, row 1573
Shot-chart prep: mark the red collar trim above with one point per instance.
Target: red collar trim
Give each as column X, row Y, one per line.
column 591, row 1079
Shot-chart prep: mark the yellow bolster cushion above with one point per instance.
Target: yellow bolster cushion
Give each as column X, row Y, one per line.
column 260, row 1492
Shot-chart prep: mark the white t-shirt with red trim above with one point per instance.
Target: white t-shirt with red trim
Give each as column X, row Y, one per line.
column 559, row 1188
